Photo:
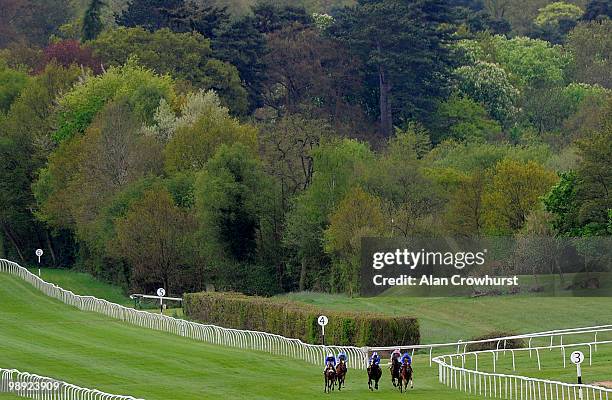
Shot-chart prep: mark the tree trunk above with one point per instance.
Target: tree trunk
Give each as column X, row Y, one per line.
column 14, row 242
column 302, row 284
column 50, row 246
column 386, row 118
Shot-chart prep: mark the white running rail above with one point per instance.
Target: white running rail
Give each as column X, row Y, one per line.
column 39, row 387
column 515, row 387
column 242, row 339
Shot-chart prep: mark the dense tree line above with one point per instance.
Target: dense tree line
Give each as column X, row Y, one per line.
column 252, row 146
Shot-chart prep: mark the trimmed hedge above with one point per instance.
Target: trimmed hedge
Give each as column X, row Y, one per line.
column 297, row 320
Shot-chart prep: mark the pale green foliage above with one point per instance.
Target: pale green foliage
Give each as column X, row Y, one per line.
column 194, row 106
column 489, row 84
column 202, row 127
column 552, row 13
column 165, row 123
column 202, row 103
column 532, row 61
column 528, row 61
column 322, row 21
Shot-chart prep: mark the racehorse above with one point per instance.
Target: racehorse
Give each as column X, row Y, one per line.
column 330, row 379
column 340, row 374
column 374, row 374
column 395, row 371
column 405, row 377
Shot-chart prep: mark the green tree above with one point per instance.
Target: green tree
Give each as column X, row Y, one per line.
column 398, row 176
column 490, row 85
column 92, row 21
column 405, row 46
column 232, row 195
column 201, row 131
column 562, row 203
column 338, row 166
column 591, row 44
column 597, row 9
column 462, row 118
column 86, row 171
column 554, row 13
column 143, row 88
column 515, row 190
column 11, row 84
column 358, row 214
column 155, row 238
column 465, row 212
column 25, row 144
column 594, row 181
column 186, row 56
column 530, row 62
column 149, row 14
column 243, row 46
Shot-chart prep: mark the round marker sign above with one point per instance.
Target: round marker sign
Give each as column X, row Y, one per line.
column 322, row 320
column 39, row 252
column 577, row 357
column 161, row 292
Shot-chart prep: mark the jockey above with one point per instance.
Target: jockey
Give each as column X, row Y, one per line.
column 375, row 359
column 395, row 355
column 406, row 359
column 342, row 357
column 330, row 360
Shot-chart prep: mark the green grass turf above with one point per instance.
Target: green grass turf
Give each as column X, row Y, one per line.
column 41, row 335
column 84, row 284
column 454, row 318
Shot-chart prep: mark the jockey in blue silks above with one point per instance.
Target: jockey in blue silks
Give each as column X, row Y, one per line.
column 375, row 359
column 342, row 357
column 329, row 360
column 406, row 359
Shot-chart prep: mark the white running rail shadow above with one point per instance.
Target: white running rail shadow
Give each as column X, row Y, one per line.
column 38, row 387
column 242, row 339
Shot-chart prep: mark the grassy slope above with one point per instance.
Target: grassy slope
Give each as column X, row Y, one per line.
column 450, row 319
column 84, row 284
column 41, row 335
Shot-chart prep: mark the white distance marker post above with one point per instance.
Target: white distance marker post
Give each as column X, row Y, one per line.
column 577, row 358
column 39, row 253
column 161, row 292
column 323, row 320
